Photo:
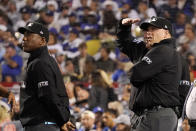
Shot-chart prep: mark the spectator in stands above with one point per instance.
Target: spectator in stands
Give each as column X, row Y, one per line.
column 98, row 117
column 108, row 120
column 192, row 65
column 101, row 92
column 5, row 21
column 105, row 62
column 70, row 46
column 4, row 5
column 7, row 94
column 87, row 121
column 77, row 4
column 179, row 24
column 183, row 45
column 144, row 11
column 117, row 106
column 127, row 9
column 187, row 6
column 90, row 27
column 63, row 18
column 46, row 16
column 53, row 45
column 98, row 92
column 13, row 64
column 72, row 23
column 12, row 11
column 69, row 71
column 190, row 33
column 26, row 13
column 81, row 94
column 5, row 118
column 88, row 70
column 79, row 61
column 60, row 59
column 52, row 5
column 169, row 10
column 108, row 25
column 122, row 123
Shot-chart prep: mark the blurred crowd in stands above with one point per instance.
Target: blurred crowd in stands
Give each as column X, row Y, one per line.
column 82, row 40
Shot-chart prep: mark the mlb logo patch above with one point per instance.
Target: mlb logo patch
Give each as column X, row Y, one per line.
column 42, row 84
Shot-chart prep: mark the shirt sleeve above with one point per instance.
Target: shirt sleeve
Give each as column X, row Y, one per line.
column 50, row 95
column 133, row 48
column 184, row 81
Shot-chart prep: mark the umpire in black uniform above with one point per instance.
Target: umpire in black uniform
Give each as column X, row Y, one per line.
column 44, row 102
column 156, row 74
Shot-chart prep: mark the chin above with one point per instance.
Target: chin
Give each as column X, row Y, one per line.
column 148, row 46
column 25, row 50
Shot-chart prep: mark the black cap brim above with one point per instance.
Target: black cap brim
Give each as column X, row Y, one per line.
column 22, row 30
column 145, row 25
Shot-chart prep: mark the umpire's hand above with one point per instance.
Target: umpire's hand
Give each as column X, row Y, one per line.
column 129, row 21
column 68, row 127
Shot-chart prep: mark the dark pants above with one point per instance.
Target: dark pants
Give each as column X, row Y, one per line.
column 162, row 119
column 192, row 128
column 42, row 127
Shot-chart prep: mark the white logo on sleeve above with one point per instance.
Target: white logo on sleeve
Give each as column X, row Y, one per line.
column 42, row 83
column 148, row 60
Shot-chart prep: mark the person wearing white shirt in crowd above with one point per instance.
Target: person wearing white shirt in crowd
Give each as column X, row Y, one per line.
column 71, row 45
column 79, row 3
column 26, row 13
column 144, row 11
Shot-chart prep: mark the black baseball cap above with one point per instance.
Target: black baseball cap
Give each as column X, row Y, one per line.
column 37, row 28
column 158, row 22
column 26, row 9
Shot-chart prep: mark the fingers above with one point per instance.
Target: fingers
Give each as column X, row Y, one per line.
column 129, row 21
column 71, row 126
column 68, row 127
column 11, row 100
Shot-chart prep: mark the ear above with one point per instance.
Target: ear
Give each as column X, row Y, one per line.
column 43, row 41
column 166, row 33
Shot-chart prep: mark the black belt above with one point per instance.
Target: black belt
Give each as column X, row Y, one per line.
column 156, row 108
column 192, row 123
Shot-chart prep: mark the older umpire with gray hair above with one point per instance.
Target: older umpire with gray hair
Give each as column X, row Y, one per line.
column 156, row 74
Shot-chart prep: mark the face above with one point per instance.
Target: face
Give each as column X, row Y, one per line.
column 181, row 19
column 83, row 51
column 48, row 19
column 32, row 41
column 72, row 36
column 154, row 35
column 107, row 119
column 51, row 7
column 87, row 121
column 26, row 16
column 60, row 59
column 103, row 53
column 52, row 40
column 10, row 51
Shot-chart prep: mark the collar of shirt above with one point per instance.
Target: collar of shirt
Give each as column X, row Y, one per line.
column 34, row 54
column 168, row 42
